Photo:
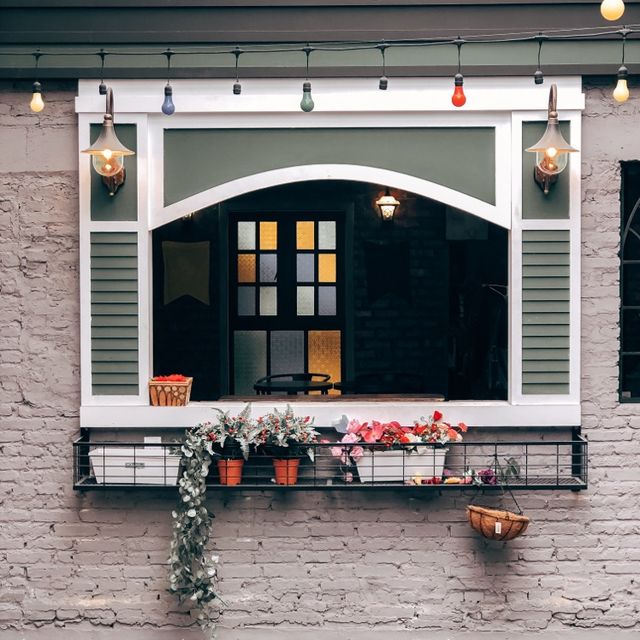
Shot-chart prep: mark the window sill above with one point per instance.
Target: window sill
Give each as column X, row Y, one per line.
column 475, row 413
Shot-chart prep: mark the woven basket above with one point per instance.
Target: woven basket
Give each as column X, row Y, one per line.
column 495, row 524
column 170, row 394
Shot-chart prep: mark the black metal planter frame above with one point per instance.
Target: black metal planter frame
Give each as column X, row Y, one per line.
column 543, row 465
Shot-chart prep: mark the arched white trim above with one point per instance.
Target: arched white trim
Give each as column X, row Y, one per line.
column 500, row 216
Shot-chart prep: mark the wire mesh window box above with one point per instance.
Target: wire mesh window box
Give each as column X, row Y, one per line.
column 519, row 465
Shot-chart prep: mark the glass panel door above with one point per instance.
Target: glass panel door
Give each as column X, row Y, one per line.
column 286, row 296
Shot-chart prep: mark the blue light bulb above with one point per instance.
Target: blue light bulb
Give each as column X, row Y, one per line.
column 168, row 108
column 306, row 104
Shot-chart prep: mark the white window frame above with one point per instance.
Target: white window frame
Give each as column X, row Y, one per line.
column 502, row 103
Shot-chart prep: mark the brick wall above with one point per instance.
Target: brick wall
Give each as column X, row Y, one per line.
column 89, row 566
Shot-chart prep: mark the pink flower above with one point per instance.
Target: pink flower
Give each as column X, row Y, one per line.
column 357, row 453
column 355, row 427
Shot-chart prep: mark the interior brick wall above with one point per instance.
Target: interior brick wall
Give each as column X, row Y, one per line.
column 300, row 565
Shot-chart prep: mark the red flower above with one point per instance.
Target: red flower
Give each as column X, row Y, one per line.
column 437, row 416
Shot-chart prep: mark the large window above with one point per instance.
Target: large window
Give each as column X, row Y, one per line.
column 308, row 278
column 630, row 284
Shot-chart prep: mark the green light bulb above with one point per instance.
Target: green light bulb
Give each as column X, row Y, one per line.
column 306, row 104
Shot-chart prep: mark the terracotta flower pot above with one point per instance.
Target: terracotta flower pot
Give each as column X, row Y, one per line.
column 286, row 470
column 230, row 471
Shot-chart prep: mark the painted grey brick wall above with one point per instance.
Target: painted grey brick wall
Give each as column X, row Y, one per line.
column 301, row 565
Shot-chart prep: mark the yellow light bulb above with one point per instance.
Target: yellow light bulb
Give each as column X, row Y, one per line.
column 612, row 9
column 551, row 152
column 37, row 103
column 107, row 153
column 621, row 92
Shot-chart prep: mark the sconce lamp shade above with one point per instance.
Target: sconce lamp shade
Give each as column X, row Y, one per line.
column 387, row 205
column 107, row 151
column 552, row 150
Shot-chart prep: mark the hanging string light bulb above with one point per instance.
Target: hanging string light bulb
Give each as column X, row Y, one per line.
column 307, row 104
column 102, row 87
column 168, row 108
column 384, row 81
column 612, row 9
column 37, row 103
column 621, row 92
column 538, row 76
column 237, row 87
column 458, row 98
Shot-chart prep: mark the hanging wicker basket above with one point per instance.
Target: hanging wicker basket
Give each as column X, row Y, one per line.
column 495, row 524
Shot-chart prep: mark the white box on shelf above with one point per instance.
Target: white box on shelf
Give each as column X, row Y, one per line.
column 134, row 465
column 395, row 465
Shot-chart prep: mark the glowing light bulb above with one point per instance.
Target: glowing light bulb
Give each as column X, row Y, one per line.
column 621, row 92
column 37, row 103
column 458, row 98
column 168, row 108
column 551, row 152
column 612, row 9
column 307, row 104
column 107, row 154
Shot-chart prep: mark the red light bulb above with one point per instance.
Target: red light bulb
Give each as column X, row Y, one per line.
column 458, row 98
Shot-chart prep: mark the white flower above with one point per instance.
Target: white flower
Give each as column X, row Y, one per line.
column 191, row 513
column 215, row 559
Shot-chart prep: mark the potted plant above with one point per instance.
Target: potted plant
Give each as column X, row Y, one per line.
column 230, row 437
column 285, row 437
column 395, row 453
column 170, row 391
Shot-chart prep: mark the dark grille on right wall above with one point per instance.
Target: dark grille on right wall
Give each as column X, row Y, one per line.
column 630, row 283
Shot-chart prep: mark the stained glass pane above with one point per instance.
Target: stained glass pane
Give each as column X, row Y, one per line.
column 246, row 267
column 268, row 301
column 287, row 351
column 327, row 267
column 246, row 235
column 326, row 301
column 305, row 236
column 246, row 301
column 325, row 354
column 326, row 234
column 305, row 301
column 268, row 267
column 306, row 268
column 268, row 236
column 249, row 360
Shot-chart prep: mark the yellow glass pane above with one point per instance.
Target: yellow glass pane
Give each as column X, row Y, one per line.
column 327, row 267
column 246, row 267
column 305, row 235
column 268, row 236
column 325, row 355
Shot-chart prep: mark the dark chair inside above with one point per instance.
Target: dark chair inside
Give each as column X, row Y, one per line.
column 293, row 383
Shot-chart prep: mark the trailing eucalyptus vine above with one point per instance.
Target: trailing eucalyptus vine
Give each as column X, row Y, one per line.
column 192, row 573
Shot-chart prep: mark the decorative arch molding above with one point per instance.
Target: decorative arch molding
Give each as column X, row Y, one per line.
column 499, row 214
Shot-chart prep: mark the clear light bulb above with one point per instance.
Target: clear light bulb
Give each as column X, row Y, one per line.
column 306, row 104
column 551, row 152
column 621, row 92
column 37, row 103
column 612, row 9
column 168, row 108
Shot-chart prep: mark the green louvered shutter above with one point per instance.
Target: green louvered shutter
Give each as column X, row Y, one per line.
column 545, row 312
column 114, row 314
